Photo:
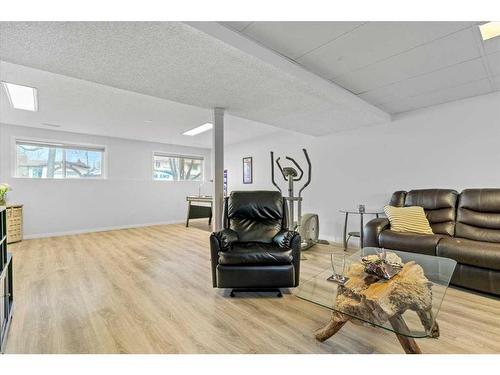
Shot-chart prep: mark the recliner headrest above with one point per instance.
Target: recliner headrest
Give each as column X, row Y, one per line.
column 260, row 205
column 480, row 200
column 432, row 199
column 255, row 215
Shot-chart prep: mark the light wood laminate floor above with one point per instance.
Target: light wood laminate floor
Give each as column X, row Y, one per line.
column 148, row 290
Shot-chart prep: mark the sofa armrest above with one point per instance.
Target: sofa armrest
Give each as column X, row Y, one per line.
column 372, row 230
column 284, row 238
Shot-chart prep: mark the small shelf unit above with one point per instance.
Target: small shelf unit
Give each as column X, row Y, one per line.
column 6, row 284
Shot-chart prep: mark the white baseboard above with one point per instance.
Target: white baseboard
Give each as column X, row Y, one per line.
column 338, row 241
column 100, row 229
column 332, row 239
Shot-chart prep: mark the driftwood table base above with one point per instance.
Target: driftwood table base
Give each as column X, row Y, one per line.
column 381, row 302
column 339, row 320
column 408, row 343
column 334, row 325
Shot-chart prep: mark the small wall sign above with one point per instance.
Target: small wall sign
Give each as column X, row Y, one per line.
column 247, row 170
column 225, row 182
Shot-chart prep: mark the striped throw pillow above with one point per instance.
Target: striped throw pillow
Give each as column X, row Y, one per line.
column 408, row 219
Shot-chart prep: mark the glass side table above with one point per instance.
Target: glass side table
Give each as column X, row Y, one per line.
column 359, row 234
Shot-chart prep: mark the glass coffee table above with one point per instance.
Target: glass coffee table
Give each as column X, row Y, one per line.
column 407, row 304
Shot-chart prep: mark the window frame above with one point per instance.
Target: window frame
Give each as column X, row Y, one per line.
column 62, row 145
column 177, row 155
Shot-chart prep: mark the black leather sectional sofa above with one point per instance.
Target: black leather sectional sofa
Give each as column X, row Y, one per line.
column 466, row 228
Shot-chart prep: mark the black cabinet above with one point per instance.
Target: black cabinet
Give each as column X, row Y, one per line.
column 6, row 287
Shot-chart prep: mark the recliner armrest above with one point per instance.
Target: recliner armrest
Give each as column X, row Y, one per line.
column 289, row 239
column 372, row 230
column 220, row 241
column 226, row 237
column 284, row 238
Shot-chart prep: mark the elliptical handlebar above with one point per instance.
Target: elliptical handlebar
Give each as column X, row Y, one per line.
column 298, row 167
column 308, row 172
column 272, row 171
column 281, row 168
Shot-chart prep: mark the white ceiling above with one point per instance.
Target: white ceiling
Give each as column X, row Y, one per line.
column 397, row 66
column 179, row 62
column 86, row 107
column 107, row 78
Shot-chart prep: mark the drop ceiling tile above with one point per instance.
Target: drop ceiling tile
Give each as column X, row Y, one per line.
column 494, row 63
column 453, row 49
column 455, row 75
column 496, row 81
column 293, row 39
column 238, row 26
column 470, row 89
column 179, row 62
column 373, row 42
column 491, row 45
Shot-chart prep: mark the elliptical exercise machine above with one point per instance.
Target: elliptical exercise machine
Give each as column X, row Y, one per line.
column 308, row 224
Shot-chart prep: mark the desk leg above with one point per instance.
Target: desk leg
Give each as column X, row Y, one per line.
column 345, row 231
column 361, row 230
column 188, row 213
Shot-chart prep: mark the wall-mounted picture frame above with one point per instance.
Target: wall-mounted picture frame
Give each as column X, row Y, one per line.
column 247, row 170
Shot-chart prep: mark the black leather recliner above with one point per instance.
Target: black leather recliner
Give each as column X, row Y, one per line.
column 255, row 251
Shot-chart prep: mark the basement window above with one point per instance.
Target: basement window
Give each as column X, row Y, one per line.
column 48, row 160
column 167, row 167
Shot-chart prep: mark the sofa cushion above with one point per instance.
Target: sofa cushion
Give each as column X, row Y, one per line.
column 469, row 252
column 477, row 278
column 408, row 219
column 255, row 253
column 439, row 206
column 411, row 242
column 478, row 215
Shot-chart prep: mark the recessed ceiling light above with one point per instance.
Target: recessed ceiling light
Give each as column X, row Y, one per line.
column 199, row 129
column 490, row 30
column 148, row 121
column 21, row 97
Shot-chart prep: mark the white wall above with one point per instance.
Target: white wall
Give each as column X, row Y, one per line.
column 127, row 197
column 454, row 145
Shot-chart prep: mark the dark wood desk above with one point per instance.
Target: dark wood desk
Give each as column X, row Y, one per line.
column 199, row 207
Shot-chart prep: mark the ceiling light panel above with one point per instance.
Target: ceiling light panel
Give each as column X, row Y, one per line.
column 199, row 129
column 21, row 97
column 490, row 30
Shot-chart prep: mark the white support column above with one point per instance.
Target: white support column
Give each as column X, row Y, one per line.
column 218, row 168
